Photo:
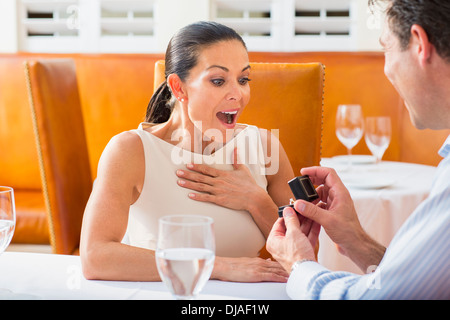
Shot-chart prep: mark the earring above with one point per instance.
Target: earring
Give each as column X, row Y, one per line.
column 182, row 99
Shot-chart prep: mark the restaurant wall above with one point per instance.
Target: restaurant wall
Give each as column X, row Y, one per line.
column 268, row 26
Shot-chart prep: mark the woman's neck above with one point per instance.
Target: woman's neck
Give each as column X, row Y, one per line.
column 179, row 130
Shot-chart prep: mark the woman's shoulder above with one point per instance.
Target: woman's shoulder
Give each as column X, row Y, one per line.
column 125, row 141
column 125, row 147
column 122, row 163
column 158, row 130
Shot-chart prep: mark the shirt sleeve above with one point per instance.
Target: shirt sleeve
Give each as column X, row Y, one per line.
column 416, row 265
column 310, row 280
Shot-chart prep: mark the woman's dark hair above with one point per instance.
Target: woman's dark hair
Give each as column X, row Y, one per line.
column 432, row 15
column 181, row 56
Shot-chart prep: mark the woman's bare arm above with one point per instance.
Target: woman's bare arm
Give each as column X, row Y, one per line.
column 119, row 182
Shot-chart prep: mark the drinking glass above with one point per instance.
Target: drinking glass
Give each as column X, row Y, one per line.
column 349, row 126
column 378, row 135
column 7, row 217
column 185, row 253
column 7, row 222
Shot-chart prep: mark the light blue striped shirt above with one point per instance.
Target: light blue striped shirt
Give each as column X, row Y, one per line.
column 416, row 265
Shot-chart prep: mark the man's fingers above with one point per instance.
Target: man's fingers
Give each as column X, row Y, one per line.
column 310, row 210
column 322, row 175
column 314, row 233
column 291, row 220
column 278, row 228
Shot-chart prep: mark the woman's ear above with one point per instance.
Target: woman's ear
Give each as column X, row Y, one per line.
column 176, row 86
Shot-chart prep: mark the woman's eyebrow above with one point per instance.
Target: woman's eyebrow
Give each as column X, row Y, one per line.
column 225, row 68
column 217, row 66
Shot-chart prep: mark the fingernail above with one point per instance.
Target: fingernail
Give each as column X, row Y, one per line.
column 181, row 182
column 180, row 172
column 288, row 212
column 190, row 165
column 191, row 195
column 300, row 206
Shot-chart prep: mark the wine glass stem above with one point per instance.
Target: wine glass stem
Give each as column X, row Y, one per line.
column 377, row 163
column 349, row 161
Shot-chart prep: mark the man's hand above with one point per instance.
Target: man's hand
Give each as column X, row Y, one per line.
column 336, row 213
column 291, row 240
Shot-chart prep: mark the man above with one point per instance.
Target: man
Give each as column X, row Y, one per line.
column 416, row 265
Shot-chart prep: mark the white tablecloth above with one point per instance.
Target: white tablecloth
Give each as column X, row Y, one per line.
column 50, row 276
column 382, row 209
column 381, row 212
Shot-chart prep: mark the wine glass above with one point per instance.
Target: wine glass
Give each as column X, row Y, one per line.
column 185, row 253
column 7, row 217
column 378, row 135
column 7, row 222
column 349, row 126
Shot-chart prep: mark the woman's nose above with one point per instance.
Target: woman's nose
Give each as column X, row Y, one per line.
column 235, row 92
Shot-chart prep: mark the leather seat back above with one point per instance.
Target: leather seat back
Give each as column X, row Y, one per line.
column 62, row 148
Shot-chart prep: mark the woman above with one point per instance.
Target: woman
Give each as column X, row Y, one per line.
column 190, row 156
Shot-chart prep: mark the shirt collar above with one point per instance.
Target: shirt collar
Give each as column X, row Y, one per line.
column 445, row 149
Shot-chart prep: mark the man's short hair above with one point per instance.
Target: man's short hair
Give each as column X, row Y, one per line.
column 432, row 15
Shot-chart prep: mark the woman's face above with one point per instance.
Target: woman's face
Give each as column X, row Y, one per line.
column 217, row 88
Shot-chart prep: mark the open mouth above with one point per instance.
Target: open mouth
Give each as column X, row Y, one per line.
column 227, row 117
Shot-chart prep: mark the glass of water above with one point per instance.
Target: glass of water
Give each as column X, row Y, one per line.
column 7, row 225
column 7, row 217
column 378, row 135
column 185, row 253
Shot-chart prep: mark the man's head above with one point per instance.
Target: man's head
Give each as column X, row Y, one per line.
column 432, row 15
column 416, row 39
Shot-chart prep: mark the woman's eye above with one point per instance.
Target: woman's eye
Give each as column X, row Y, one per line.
column 244, row 81
column 217, row 82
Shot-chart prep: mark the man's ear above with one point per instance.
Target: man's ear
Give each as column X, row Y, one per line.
column 420, row 44
column 176, row 86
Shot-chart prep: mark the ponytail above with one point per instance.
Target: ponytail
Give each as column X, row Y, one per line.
column 160, row 107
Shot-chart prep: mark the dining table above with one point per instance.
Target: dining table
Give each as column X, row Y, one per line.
column 384, row 194
column 43, row 276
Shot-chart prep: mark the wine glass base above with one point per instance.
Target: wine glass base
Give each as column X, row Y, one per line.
column 6, row 294
column 192, row 297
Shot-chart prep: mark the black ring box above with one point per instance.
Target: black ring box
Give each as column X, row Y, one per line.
column 303, row 189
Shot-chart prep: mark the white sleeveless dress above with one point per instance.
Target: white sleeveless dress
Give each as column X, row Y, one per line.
column 237, row 234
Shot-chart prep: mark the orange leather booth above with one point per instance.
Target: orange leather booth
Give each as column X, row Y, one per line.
column 114, row 90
